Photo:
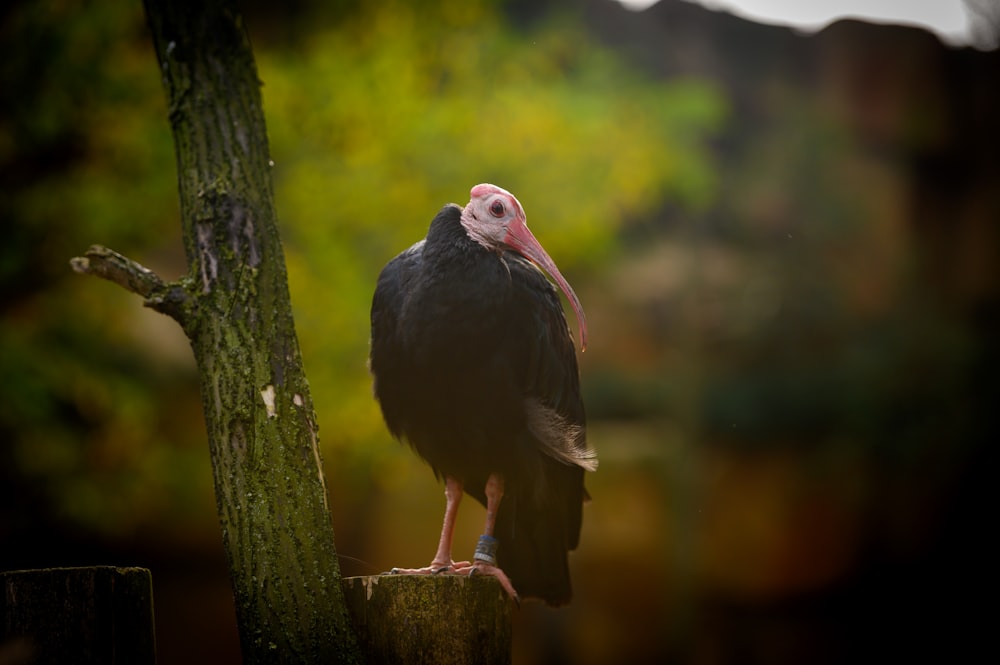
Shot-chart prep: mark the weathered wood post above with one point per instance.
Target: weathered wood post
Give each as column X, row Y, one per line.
column 430, row 619
column 101, row 615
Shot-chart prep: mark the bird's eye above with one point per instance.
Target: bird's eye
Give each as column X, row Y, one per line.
column 497, row 209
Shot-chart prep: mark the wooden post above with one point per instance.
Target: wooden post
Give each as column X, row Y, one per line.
column 439, row 619
column 98, row 615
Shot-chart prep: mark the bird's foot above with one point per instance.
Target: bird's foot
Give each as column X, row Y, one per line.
column 463, row 568
column 484, row 562
column 435, row 568
column 483, row 568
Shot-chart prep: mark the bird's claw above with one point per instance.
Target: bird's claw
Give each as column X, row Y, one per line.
column 481, row 568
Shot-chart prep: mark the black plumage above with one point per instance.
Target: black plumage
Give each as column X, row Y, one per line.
column 475, row 368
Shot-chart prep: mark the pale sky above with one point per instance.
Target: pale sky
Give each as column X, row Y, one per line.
column 948, row 18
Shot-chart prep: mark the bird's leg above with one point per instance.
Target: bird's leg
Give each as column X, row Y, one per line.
column 453, row 497
column 442, row 562
column 484, row 561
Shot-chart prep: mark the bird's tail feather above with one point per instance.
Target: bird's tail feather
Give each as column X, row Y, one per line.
column 534, row 544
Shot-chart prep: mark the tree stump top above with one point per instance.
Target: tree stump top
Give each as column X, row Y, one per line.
column 430, row 618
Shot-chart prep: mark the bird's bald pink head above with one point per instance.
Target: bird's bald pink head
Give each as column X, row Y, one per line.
column 487, row 190
column 495, row 219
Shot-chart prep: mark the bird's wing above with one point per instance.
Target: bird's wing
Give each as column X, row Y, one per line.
column 387, row 354
column 550, row 379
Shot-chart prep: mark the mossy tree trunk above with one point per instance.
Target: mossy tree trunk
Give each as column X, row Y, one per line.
column 235, row 308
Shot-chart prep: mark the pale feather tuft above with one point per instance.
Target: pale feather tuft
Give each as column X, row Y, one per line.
column 560, row 439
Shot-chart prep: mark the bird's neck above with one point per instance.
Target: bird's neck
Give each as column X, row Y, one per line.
column 449, row 240
column 471, row 271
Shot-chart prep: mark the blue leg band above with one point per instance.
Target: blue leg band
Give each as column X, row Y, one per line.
column 486, row 550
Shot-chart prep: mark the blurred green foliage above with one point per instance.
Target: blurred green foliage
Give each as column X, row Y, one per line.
column 84, row 158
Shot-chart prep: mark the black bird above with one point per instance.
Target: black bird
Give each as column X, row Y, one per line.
column 474, row 367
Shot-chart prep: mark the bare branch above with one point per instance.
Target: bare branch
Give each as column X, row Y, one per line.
column 121, row 270
column 167, row 298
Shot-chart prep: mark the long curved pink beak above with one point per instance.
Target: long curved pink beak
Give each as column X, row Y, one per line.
column 521, row 239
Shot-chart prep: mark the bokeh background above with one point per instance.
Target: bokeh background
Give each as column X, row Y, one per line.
column 786, row 244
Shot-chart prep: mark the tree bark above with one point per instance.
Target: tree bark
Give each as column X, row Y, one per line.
column 235, row 308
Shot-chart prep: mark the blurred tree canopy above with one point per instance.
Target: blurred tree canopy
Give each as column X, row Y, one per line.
column 84, row 151
column 378, row 115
